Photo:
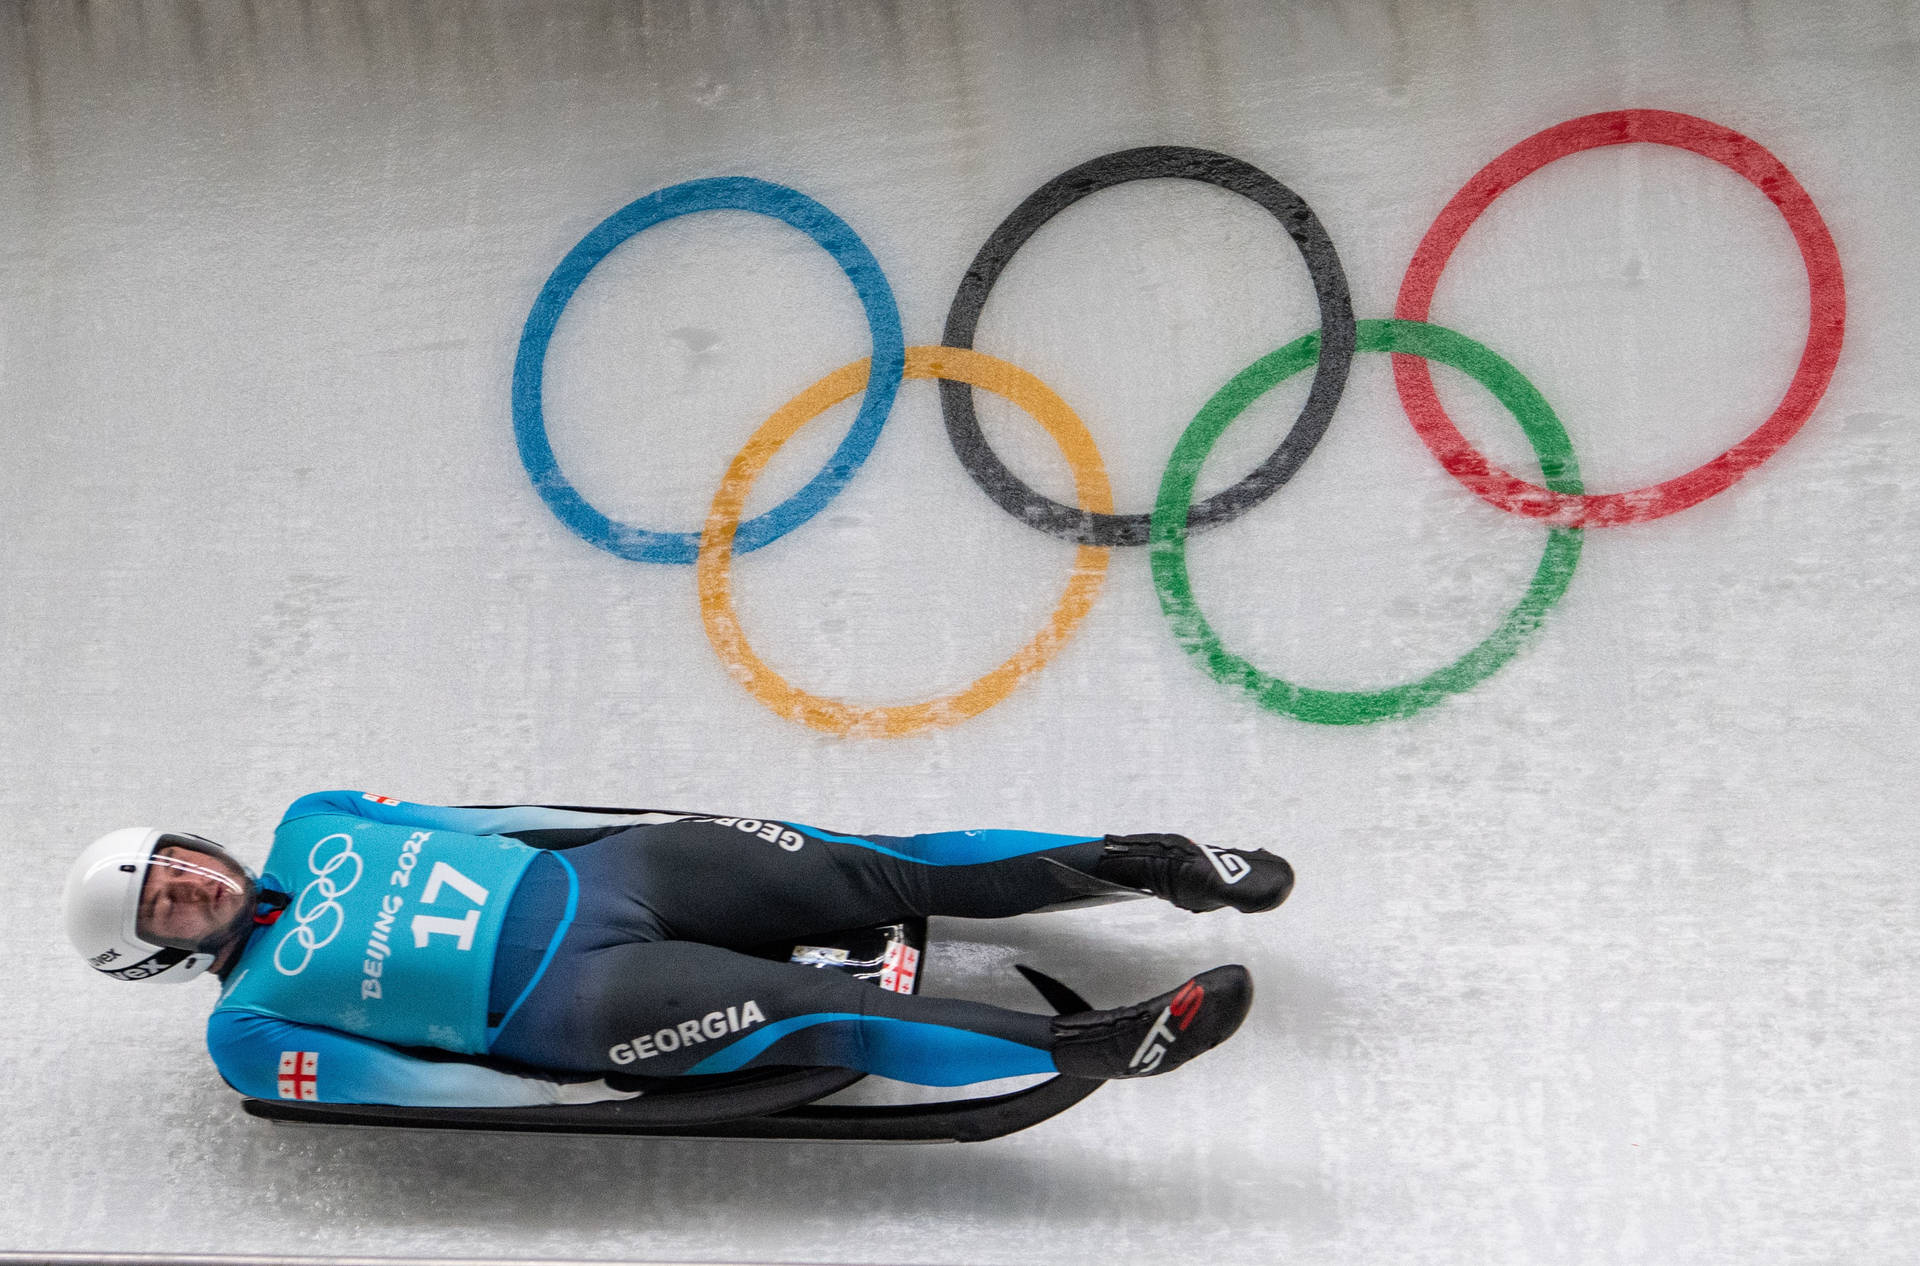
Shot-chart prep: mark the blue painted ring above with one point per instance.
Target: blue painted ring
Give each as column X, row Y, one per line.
column 725, row 193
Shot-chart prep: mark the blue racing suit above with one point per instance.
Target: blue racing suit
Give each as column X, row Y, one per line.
column 514, row 955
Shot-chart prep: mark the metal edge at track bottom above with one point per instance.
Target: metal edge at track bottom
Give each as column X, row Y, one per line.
column 12, row 1258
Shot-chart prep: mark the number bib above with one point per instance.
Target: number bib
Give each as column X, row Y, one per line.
column 390, row 934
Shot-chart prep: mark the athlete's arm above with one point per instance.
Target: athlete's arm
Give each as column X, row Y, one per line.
column 542, row 826
column 269, row 1058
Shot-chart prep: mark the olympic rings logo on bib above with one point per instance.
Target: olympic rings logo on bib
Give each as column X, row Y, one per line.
column 1560, row 501
column 304, row 916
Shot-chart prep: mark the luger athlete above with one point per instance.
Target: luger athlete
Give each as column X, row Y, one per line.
column 401, row 953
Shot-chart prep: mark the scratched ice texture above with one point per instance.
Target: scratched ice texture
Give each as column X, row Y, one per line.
column 1608, row 959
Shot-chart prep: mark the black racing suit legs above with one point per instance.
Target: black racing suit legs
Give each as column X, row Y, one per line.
column 649, row 977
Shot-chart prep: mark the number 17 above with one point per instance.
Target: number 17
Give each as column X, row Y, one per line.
column 426, row 925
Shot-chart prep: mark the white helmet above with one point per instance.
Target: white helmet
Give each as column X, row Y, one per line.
column 103, row 904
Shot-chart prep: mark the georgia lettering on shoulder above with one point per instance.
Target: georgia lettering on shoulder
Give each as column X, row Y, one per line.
column 688, row 1033
column 772, row 832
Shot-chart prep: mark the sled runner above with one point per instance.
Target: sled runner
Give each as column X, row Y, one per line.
column 768, row 1103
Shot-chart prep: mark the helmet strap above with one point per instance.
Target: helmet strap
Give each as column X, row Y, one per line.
column 153, row 965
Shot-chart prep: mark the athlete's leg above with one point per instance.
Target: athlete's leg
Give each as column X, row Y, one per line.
column 617, row 994
column 673, row 1007
column 743, row 882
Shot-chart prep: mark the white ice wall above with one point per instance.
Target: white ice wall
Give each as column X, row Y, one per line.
column 1609, row 959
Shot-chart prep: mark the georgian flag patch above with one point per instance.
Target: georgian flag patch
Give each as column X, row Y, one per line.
column 299, row 1074
column 386, row 800
column 899, row 967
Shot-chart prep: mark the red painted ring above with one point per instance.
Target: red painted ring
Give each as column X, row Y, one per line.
column 1826, row 323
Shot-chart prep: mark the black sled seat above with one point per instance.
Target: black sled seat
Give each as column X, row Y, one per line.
column 767, row 1103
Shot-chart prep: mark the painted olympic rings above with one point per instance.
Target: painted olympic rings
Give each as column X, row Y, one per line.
column 1561, row 504
column 717, row 194
column 1826, row 317
column 1153, row 162
column 949, row 364
column 1168, row 551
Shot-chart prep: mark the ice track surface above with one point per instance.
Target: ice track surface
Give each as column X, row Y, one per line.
column 1604, row 954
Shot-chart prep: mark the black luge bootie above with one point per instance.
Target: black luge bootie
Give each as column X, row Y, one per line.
column 1197, row 877
column 1155, row 1036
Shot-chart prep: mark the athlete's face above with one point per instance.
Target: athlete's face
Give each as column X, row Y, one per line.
column 189, row 896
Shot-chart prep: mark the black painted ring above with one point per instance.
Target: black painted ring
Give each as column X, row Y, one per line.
column 1152, row 162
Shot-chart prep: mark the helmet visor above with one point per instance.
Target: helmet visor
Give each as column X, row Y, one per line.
column 194, row 896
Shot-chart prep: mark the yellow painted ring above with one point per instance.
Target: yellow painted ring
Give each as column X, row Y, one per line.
column 713, row 568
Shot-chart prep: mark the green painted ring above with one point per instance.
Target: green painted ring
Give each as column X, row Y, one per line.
column 1167, row 534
